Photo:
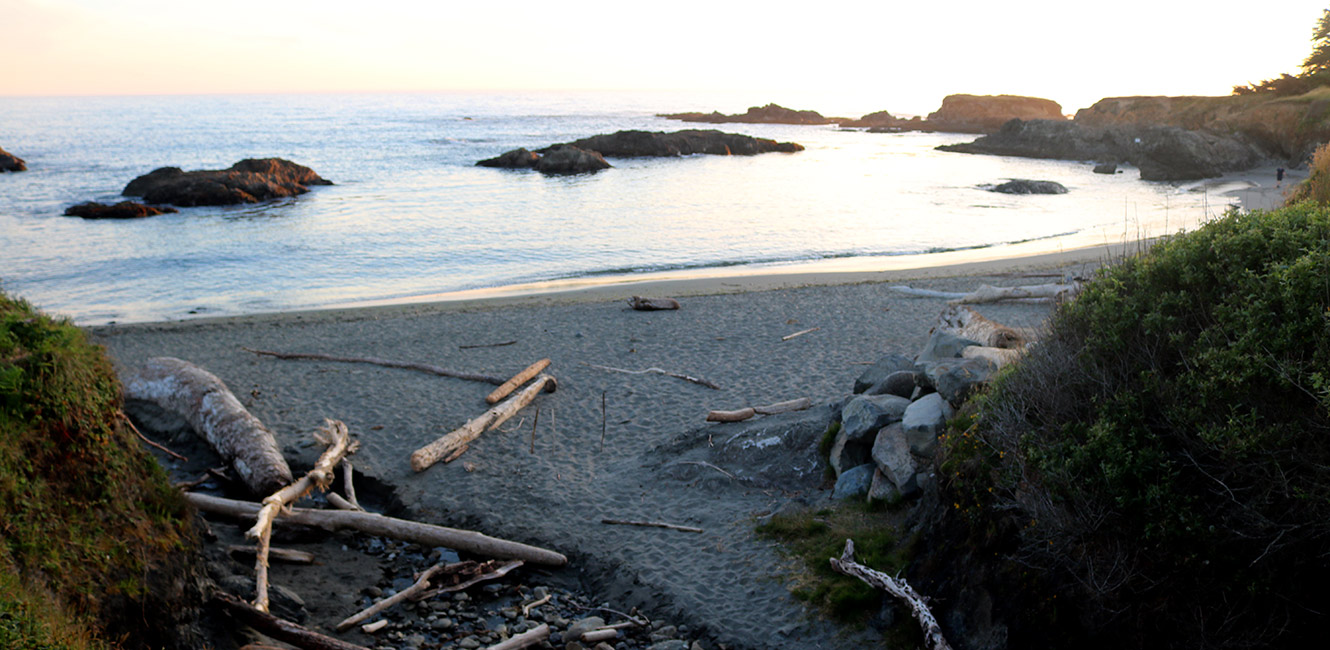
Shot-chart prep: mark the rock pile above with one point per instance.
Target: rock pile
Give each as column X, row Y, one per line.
column 248, row 181
column 121, row 210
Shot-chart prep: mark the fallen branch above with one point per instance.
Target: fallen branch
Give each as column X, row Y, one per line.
column 284, row 554
column 387, row 363
column 426, row 456
column 526, row 609
column 602, row 634
column 652, row 304
column 1038, row 292
column 517, row 380
column 421, row 584
column 526, row 639
column 799, row 333
column 338, row 501
column 731, row 416
column 896, row 587
column 280, row 629
column 427, row 535
column 348, row 485
column 497, row 572
column 335, row 435
column 770, row 409
column 658, row 371
column 652, row 524
column 130, row 424
column 216, row 415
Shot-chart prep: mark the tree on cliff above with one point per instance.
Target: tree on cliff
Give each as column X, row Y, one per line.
column 1319, row 60
column 1315, row 68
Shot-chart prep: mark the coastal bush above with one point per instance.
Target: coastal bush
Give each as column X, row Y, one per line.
column 1156, row 473
column 1317, row 186
column 87, row 518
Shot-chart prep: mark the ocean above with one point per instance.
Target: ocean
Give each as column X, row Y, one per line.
column 410, row 214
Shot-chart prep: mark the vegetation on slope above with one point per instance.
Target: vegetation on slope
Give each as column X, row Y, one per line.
column 1157, row 472
column 89, row 524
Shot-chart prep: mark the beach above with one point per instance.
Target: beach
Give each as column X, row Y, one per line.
column 606, row 444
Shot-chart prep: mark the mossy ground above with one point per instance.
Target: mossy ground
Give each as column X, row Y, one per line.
column 85, row 513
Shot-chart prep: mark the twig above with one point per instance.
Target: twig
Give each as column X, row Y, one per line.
column 658, row 371
column 486, row 345
column 897, row 587
column 387, row 363
column 144, row 438
column 337, row 501
column 535, row 423
column 371, row 628
column 284, row 554
column 347, row 485
column 705, row 464
column 526, row 609
column 799, row 333
column 652, row 524
column 602, row 420
column 421, row 584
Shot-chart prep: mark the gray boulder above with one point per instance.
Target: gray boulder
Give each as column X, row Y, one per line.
column 1026, row 186
column 846, row 453
column 900, row 383
column 943, row 345
column 923, row 421
column 854, row 482
column 1106, row 168
column 881, row 369
column 958, row 379
column 866, row 414
column 882, row 489
column 891, row 454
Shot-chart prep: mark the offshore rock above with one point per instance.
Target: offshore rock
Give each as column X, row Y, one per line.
column 516, row 159
column 987, row 113
column 248, row 181
column 638, row 144
column 567, row 159
column 769, row 114
column 1025, row 186
column 11, row 163
column 121, row 210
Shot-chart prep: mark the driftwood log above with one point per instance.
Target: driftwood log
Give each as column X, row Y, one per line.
column 280, row 629
column 427, row 535
column 968, row 323
column 989, row 294
column 896, row 587
column 770, row 409
column 423, row 458
column 652, row 304
column 215, row 414
column 516, row 381
column 526, row 639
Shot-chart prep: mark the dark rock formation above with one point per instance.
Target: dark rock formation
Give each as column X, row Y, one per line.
column 637, row 144
column 567, row 159
column 1162, row 153
column 248, row 181
column 769, row 114
column 880, row 119
column 121, row 210
column 1026, row 186
column 987, row 113
column 11, row 163
column 1106, row 168
column 515, row 159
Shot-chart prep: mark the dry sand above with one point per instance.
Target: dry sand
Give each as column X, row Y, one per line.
column 725, row 584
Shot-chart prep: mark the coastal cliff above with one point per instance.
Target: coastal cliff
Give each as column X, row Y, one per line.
column 987, row 113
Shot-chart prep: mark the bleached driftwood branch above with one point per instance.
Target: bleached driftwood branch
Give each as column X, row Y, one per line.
column 968, row 323
column 423, row 458
column 658, row 371
column 424, row 534
column 897, row 587
column 652, row 524
column 988, row 293
column 770, row 409
column 421, row 584
column 526, row 639
column 799, row 333
column 387, row 363
column 516, row 381
column 280, row 629
column 215, row 414
column 495, row 572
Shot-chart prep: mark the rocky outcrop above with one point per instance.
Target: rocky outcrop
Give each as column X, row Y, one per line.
column 1026, row 186
column 1162, row 153
column 248, row 181
column 11, row 163
column 121, row 210
column 556, row 159
column 769, row 114
column 519, row 158
column 639, row 144
column 987, row 113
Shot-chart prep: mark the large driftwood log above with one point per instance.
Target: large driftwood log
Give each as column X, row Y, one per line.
column 988, row 294
column 896, row 587
column 970, row 324
column 387, row 363
column 423, row 458
column 215, row 414
column 411, row 531
column 280, row 629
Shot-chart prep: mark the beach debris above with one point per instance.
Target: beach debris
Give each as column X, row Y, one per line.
column 517, row 380
column 371, row 628
column 652, row 524
column 337, row 501
column 533, row 636
column 1035, row 293
column 348, row 485
column 425, row 457
column 770, row 409
column 487, row 345
column 897, row 587
column 970, row 324
column 474, row 572
column 658, row 371
column 279, row 629
column 652, row 304
column 215, row 414
column 337, row 438
column 799, row 333
column 427, row 535
column 290, row 556
column 526, row 609
column 387, row 363
column 130, row 423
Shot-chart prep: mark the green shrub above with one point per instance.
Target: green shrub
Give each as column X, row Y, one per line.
column 1163, row 456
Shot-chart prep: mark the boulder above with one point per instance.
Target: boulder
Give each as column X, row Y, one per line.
column 987, row 113
column 957, row 379
column 943, row 345
column 881, row 369
column 769, row 114
column 847, row 453
column 923, row 421
column 854, row 482
column 891, row 454
column 900, row 383
column 639, row 144
column 882, row 489
column 1106, row 168
column 248, row 181
column 11, row 163
column 121, row 210
column 1026, row 186
column 516, row 159
column 567, row 159
column 866, row 414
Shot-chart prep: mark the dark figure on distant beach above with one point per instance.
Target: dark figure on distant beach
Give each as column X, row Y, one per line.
column 1279, row 177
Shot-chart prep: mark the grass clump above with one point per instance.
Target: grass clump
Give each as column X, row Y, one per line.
column 1162, row 459
column 86, row 516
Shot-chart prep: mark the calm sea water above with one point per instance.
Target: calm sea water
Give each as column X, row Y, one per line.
column 411, row 215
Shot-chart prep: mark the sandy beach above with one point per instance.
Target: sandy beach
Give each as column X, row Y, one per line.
column 725, row 584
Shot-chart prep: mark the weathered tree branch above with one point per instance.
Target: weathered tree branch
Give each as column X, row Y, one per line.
column 896, row 587
column 423, row 458
column 280, row 629
column 516, row 381
column 658, row 371
column 526, row 639
column 652, row 524
column 387, row 363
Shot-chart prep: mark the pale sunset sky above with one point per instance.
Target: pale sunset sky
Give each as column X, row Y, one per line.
column 839, row 58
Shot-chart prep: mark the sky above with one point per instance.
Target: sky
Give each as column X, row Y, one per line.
column 845, row 58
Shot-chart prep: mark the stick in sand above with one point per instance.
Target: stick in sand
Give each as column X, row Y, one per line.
column 430, row 454
column 486, row 345
column 770, row 409
column 387, row 363
column 652, row 524
column 517, row 380
column 799, row 333
column 658, row 371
